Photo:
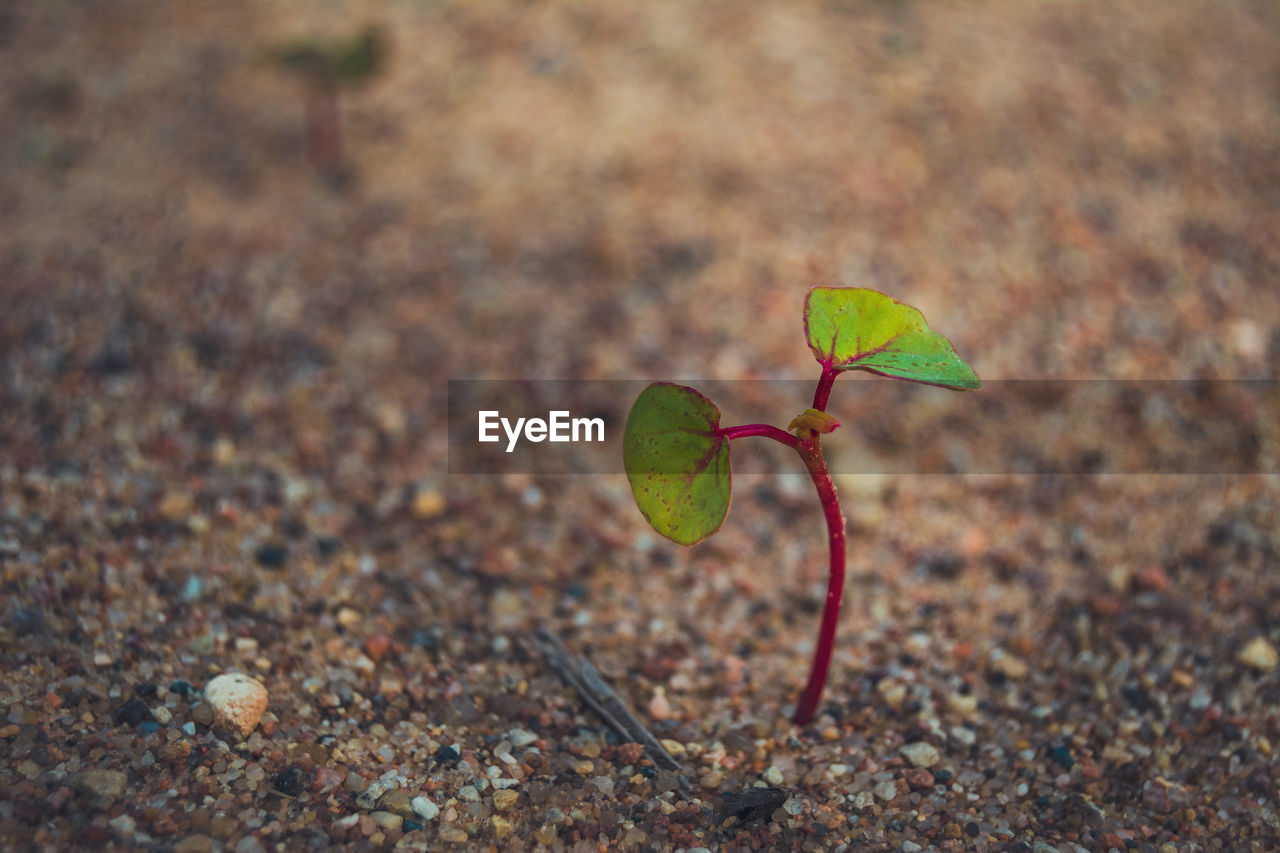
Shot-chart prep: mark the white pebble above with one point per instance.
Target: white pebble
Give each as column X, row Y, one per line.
column 424, row 808
column 921, row 754
column 237, row 701
column 886, row 790
column 123, row 824
column 521, row 737
column 773, row 775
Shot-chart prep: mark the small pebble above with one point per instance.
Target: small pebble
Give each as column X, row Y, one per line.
column 521, row 737
column 505, row 799
column 388, row 821
column 133, row 712
column 237, row 701
column 428, row 504
column 1008, row 665
column 424, row 808
column 468, row 794
column 918, row 778
column 124, row 825
column 250, row 844
column 886, row 790
column 921, row 754
column 398, row 801
column 271, row 556
column 370, row 796
column 447, row 755
column 376, row 646
column 452, row 834
column 773, row 775
column 198, row 843
column 660, row 706
column 1259, row 654
column 964, row 703
column 107, row 784
column 292, row 781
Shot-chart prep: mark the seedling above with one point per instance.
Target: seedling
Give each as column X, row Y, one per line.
column 676, row 453
column 325, row 69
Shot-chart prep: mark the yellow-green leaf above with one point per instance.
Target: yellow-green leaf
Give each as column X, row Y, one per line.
column 853, row 328
column 677, row 462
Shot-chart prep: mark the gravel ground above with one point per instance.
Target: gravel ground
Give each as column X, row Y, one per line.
column 223, row 402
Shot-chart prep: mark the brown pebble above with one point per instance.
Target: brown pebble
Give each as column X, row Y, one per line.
column 9, row 730
column 1153, row 578
column 1110, row 840
column 107, row 784
column 397, row 802
column 223, row 827
column 59, row 798
column 428, row 504
column 452, row 834
column 505, row 799
column 918, row 777
column 198, row 843
column 376, row 646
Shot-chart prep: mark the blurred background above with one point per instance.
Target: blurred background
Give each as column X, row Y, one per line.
column 281, row 228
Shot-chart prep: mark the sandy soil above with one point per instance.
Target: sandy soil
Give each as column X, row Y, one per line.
column 223, row 398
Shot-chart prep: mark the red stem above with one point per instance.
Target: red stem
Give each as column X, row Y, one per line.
column 811, row 452
column 823, row 391
column 324, row 128
column 765, row 430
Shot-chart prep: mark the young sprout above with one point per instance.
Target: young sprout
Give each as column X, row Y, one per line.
column 325, row 69
column 676, row 453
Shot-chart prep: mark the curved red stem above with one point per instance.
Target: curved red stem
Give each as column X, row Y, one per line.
column 764, row 430
column 811, row 452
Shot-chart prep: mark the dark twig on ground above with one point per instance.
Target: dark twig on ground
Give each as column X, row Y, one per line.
column 577, row 672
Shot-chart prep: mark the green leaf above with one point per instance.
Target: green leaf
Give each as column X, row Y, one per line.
column 853, row 328
column 677, row 462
